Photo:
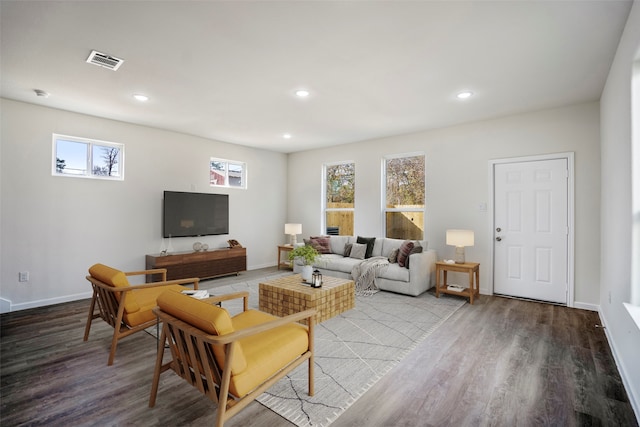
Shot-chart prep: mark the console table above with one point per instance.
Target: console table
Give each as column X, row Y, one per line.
column 203, row 264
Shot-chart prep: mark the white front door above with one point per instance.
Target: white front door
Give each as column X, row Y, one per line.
column 531, row 229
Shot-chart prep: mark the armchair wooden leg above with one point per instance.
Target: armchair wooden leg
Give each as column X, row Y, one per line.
column 114, row 344
column 311, row 359
column 158, row 369
column 91, row 316
column 224, row 387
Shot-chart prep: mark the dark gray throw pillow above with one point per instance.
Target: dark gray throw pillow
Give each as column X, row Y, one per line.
column 347, row 249
column 369, row 241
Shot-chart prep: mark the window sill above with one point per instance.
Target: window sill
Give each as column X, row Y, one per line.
column 634, row 312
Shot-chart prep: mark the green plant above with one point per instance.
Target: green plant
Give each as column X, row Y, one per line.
column 307, row 253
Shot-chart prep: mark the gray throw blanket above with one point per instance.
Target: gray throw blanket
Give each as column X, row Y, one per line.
column 366, row 272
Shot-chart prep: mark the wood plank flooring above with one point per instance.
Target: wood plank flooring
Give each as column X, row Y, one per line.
column 500, row 362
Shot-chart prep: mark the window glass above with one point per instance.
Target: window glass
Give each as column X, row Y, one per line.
column 81, row 157
column 227, row 173
column 405, row 197
column 339, row 199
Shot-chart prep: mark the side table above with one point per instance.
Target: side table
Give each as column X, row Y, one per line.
column 472, row 268
column 286, row 249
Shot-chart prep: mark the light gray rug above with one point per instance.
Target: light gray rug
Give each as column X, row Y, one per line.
column 353, row 350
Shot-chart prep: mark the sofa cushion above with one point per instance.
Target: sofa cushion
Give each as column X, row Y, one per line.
column 404, row 251
column 338, row 244
column 358, row 251
column 395, row 272
column 369, row 241
column 337, row 263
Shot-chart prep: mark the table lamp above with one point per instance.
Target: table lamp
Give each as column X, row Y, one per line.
column 292, row 230
column 459, row 239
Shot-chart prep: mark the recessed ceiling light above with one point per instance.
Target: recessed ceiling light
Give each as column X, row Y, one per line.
column 286, row 136
column 302, row 93
column 140, row 97
column 464, row 95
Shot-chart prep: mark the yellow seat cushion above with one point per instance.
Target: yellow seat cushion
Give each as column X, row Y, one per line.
column 268, row 352
column 207, row 317
column 257, row 357
column 145, row 299
column 137, row 304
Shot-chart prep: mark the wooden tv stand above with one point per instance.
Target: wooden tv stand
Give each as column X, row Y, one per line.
column 203, row 264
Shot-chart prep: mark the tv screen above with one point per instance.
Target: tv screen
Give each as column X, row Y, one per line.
column 195, row 214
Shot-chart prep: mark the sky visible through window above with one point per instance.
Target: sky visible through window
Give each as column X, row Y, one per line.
column 75, row 157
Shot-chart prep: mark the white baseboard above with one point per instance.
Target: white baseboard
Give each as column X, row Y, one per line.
column 49, row 301
column 586, row 306
column 5, row 305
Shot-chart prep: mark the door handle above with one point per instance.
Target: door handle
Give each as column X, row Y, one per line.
column 499, row 239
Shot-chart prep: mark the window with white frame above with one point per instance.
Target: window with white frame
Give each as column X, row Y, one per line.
column 339, row 199
column 227, row 173
column 87, row 158
column 404, row 196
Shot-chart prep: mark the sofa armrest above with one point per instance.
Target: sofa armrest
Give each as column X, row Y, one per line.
column 422, row 267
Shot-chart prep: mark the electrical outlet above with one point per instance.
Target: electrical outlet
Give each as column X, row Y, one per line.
column 23, row 276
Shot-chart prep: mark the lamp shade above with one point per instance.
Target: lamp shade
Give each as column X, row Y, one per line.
column 460, row 237
column 292, row 228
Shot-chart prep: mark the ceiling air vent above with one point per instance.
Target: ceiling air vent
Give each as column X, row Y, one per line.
column 104, row 60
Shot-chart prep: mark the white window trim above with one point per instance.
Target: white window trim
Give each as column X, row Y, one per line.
column 227, row 161
column 383, row 192
column 633, row 306
column 91, row 143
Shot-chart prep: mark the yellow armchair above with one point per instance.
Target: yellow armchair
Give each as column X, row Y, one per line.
column 127, row 308
column 231, row 360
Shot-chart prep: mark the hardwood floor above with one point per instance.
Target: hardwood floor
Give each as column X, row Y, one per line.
column 500, row 362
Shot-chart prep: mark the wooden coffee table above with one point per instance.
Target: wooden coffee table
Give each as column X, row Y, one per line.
column 288, row 295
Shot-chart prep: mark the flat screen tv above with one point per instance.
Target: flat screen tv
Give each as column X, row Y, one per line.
column 195, row 214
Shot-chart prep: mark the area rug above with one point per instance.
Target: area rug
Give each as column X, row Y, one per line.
column 353, row 350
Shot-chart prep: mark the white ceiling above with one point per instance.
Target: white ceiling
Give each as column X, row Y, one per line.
column 227, row 70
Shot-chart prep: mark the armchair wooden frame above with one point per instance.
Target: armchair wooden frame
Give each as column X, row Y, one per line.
column 193, row 358
column 110, row 301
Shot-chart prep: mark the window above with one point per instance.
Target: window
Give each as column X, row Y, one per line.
column 404, row 195
column 87, row 158
column 227, row 173
column 339, row 198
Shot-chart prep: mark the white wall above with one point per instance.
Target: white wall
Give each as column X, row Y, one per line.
column 458, row 181
column 56, row 227
column 616, row 210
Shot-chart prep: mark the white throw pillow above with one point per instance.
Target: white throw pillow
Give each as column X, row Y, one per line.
column 358, row 250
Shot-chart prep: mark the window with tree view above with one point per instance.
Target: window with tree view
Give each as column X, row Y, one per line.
column 340, row 198
column 405, row 197
column 87, row 158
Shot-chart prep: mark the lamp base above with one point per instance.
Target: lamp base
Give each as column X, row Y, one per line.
column 293, row 240
column 459, row 255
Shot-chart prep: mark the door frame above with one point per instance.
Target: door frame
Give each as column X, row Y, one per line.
column 569, row 156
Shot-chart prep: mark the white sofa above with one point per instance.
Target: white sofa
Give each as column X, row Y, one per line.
column 415, row 280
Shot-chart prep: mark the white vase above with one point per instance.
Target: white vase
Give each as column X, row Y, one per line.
column 306, row 272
